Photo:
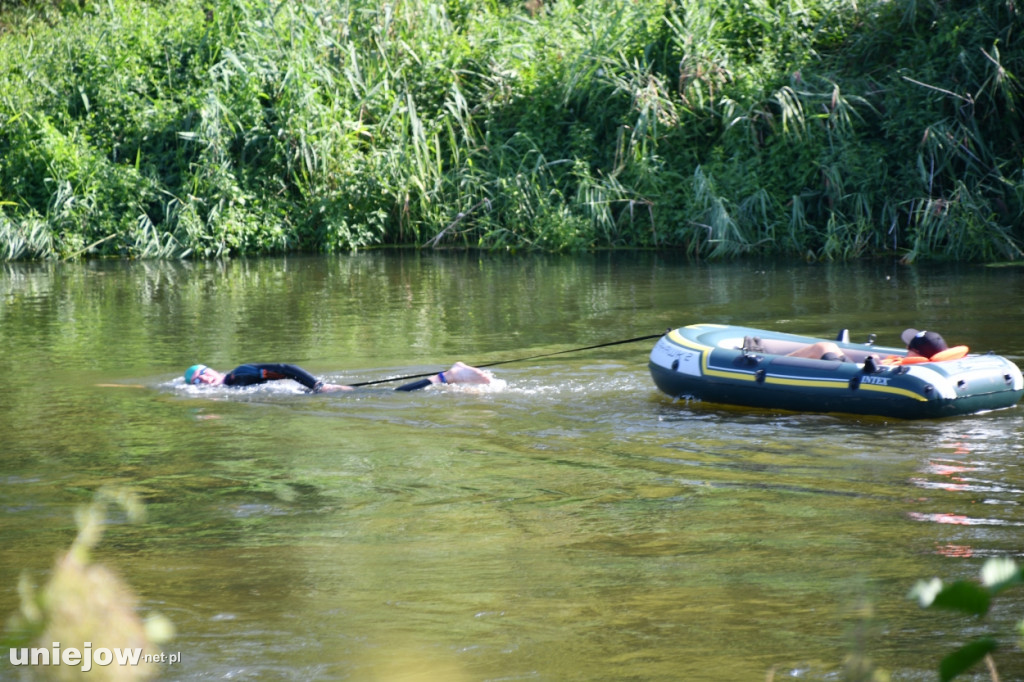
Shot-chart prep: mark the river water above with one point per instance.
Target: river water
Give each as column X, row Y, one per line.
column 568, row 523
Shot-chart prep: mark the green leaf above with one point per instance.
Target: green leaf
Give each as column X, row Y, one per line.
column 964, row 657
column 964, row 596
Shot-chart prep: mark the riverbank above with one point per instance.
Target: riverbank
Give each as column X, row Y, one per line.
column 821, row 129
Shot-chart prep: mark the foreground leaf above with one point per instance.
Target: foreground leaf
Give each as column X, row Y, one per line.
column 965, row 657
column 964, row 596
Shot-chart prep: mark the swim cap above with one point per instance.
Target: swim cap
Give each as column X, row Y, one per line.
column 192, row 372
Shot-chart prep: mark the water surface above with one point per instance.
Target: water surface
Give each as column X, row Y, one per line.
column 569, row 524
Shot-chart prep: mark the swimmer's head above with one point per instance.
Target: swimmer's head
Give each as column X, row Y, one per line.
column 193, row 374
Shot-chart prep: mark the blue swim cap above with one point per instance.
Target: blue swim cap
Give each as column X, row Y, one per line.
column 192, row 372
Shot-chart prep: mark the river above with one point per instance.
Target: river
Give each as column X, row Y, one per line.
column 567, row 523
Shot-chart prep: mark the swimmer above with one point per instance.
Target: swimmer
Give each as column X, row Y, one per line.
column 261, row 373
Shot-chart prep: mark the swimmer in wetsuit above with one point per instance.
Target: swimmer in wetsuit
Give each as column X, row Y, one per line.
column 260, row 373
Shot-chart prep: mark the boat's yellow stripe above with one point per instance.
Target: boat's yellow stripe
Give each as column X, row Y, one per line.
column 725, row 374
column 813, row 383
column 826, row 383
column 894, row 390
column 687, row 343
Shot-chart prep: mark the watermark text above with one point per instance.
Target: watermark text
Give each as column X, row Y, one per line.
column 87, row 657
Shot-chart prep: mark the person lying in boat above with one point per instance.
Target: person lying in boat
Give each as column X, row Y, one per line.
column 821, row 350
column 260, row 373
column 922, row 346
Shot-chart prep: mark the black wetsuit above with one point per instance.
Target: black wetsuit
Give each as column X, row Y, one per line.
column 262, row 372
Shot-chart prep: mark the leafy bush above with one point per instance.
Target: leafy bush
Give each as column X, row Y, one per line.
column 827, row 128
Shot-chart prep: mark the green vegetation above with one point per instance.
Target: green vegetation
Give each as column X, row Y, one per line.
column 84, row 605
column 974, row 599
column 828, row 129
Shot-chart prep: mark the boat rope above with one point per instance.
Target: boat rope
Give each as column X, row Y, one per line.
column 530, row 357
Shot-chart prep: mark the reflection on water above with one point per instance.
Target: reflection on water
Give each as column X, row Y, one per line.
column 571, row 524
column 984, row 495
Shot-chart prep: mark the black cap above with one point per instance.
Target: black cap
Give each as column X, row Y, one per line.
column 924, row 343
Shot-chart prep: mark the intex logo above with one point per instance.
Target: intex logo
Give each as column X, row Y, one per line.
column 881, row 381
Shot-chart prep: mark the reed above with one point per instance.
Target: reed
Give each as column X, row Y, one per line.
column 152, row 129
column 31, row 239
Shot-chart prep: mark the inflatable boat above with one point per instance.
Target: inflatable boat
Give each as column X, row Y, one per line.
column 752, row 367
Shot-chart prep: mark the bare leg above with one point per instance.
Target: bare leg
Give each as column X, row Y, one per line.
column 816, row 350
column 461, row 373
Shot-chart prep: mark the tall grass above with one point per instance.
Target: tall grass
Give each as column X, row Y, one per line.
column 828, row 129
